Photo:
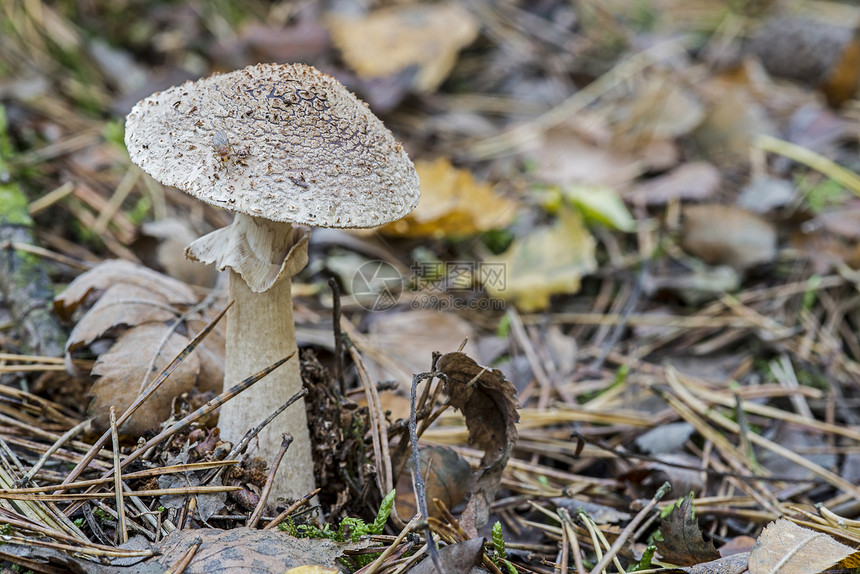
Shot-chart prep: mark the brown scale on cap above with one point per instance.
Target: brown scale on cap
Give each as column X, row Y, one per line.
column 299, row 146
column 225, row 152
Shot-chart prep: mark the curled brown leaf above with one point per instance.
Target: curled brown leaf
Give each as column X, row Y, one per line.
column 488, row 401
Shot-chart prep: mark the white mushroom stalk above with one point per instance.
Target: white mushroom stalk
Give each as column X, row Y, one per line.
column 282, row 146
column 262, row 256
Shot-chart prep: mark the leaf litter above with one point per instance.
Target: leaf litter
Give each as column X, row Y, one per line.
column 734, row 239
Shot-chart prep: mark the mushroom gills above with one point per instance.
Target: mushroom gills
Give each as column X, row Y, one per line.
column 259, row 250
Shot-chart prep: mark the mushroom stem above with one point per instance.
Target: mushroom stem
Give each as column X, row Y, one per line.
column 262, row 257
column 260, row 331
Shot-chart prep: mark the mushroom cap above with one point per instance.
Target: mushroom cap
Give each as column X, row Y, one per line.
column 283, row 142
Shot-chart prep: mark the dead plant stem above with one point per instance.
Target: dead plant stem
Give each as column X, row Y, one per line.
column 291, row 508
column 378, row 426
column 162, row 376
column 117, row 479
column 631, row 526
column 264, row 495
column 186, row 559
column 54, row 448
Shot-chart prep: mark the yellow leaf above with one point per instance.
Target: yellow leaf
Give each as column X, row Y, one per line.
column 550, row 260
column 389, row 40
column 851, row 562
column 452, row 203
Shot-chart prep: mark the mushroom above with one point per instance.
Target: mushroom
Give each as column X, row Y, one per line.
column 284, row 147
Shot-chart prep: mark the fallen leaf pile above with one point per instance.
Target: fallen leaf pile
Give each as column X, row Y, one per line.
column 134, row 324
column 643, row 216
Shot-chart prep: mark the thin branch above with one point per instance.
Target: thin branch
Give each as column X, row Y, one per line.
column 264, row 496
column 186, row 559
column 162, row 376
column 417, row 479
column 117, row 479
column 338, row 334
column 631, row 526
column 54, row 448
column 291, row 508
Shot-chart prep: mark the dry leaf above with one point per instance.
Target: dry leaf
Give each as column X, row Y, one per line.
column 682, row 542
column 446, row 476
column 734, row 564
column 109, row 273
column 694, row 180
column 726, row 235
column 733, row 120
column 121, row 370
column 452, row 203
column 564, row 158
column 121, row 305
column 786, row 548
column 391, row 40
column 241, row 550
column 764, row 193
column 825, row 251
column 737, row 545
column 665, row 438
column 817, row 127
column 548, row 261
column 488, row 402
column 656, row 107
column 405, row 342
column 843, row 221
column 135, row 306
column 207, row 504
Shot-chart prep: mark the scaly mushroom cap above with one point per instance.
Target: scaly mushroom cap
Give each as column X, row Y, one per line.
column 282, row 142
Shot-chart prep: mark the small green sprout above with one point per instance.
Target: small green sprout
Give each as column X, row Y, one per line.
column 350, row 529
column 644, row 562
column 501, row 557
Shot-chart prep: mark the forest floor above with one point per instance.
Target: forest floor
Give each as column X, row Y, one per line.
column 641, row 216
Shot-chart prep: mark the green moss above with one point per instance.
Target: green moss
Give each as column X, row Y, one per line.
column 13, row 205
column 350, row 529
